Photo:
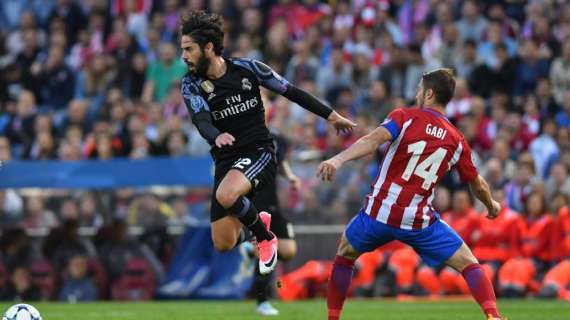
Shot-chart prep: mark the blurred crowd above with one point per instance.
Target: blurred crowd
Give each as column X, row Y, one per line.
column 83, row 79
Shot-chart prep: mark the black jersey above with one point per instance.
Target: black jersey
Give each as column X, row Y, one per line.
column 281, row 147
column 233, row 102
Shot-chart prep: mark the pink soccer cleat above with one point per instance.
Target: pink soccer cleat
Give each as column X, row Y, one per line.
column 266, row 218
column 267, row 248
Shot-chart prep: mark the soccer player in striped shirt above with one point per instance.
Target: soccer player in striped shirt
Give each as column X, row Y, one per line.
column 424, row 145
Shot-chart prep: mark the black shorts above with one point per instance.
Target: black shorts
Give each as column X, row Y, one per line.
column 266, row 200
column 260, row 168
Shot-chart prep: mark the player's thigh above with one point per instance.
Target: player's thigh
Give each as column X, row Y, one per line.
column 364, row 234
column 225, row 232
column 233, row 185
column 253, row 171
column 435, row 244
column 462, row 258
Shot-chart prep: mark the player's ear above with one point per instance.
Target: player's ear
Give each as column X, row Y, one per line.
column 209, row 48
column 430, row 94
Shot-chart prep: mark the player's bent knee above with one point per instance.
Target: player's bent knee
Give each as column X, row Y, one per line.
column 226, row 198
column 223, row 240
column 462, row 259
column 346, row 250
column 224, row 244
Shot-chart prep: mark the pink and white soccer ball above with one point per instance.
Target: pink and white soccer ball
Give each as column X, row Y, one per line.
column 22, row 311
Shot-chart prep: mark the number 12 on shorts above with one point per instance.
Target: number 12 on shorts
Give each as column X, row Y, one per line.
column 242, row 162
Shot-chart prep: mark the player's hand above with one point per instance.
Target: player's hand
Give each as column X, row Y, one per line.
column 295, row 182
column 494, row 211
column 327, row 169
column 225, row 139
column 340, row 123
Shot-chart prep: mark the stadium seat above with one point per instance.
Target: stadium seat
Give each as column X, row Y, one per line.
column 45, row 277
column 136, row 283
column 97, row 272
column 4, row 275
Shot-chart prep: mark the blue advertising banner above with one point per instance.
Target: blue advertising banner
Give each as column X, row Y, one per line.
column 116, row 173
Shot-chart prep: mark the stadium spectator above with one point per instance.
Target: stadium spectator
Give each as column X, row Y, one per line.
column 64, row 243
column 334, row 75
column 538, row 245
column 465, row 60
column 20, row 129
column 77, row 287
column 36, row 214
column 115, row 248
column 558, row 182
column 71, row 15
column 69, row 210
column 96, row 77
column 546, row 102
column 20, row 288
column 15, row 247
column 162, row 73
column 563, row 117
column 530, row 69
column 559, row 75
column 472, row 25
column 89, row 215
column 53, row 80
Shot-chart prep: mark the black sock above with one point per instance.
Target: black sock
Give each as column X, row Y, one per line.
column 261, row 285
column 248, row 215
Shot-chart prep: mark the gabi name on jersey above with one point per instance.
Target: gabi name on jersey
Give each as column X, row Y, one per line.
column 435, row 131
column 236, row 106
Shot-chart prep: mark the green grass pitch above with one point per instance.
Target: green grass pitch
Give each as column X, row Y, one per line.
column 314, row 309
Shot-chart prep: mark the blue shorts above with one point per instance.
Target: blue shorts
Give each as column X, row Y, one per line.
column 435, row 244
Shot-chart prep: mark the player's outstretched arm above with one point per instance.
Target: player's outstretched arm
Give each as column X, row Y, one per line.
column 311, row 103
column 481, row 190
column 364, row 146
column 340, row 123
column 271, row 80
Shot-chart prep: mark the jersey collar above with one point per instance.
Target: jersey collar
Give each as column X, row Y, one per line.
column 435, row 112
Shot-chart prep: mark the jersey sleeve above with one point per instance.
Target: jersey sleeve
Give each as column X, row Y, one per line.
column 394, row 121
column 265, row 75
column 465, row 165
column 191, row 93
column 199, row 110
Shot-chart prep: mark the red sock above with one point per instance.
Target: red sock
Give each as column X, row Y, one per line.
column 481, row 289
column 339, row 282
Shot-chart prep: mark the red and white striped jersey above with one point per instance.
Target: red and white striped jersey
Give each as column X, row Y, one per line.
column 425, row 145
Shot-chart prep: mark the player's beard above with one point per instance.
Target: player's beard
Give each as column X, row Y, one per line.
column 199, row 69
column 202, row 65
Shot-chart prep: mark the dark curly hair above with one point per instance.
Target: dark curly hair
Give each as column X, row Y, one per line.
column 203, row 27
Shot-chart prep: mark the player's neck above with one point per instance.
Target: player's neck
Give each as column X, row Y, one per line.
column 217, row 68
column 435, row 107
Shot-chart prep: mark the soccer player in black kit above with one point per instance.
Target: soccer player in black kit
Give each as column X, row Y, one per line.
column 224, row 101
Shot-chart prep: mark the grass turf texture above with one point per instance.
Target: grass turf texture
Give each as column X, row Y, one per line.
column 305, row 310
